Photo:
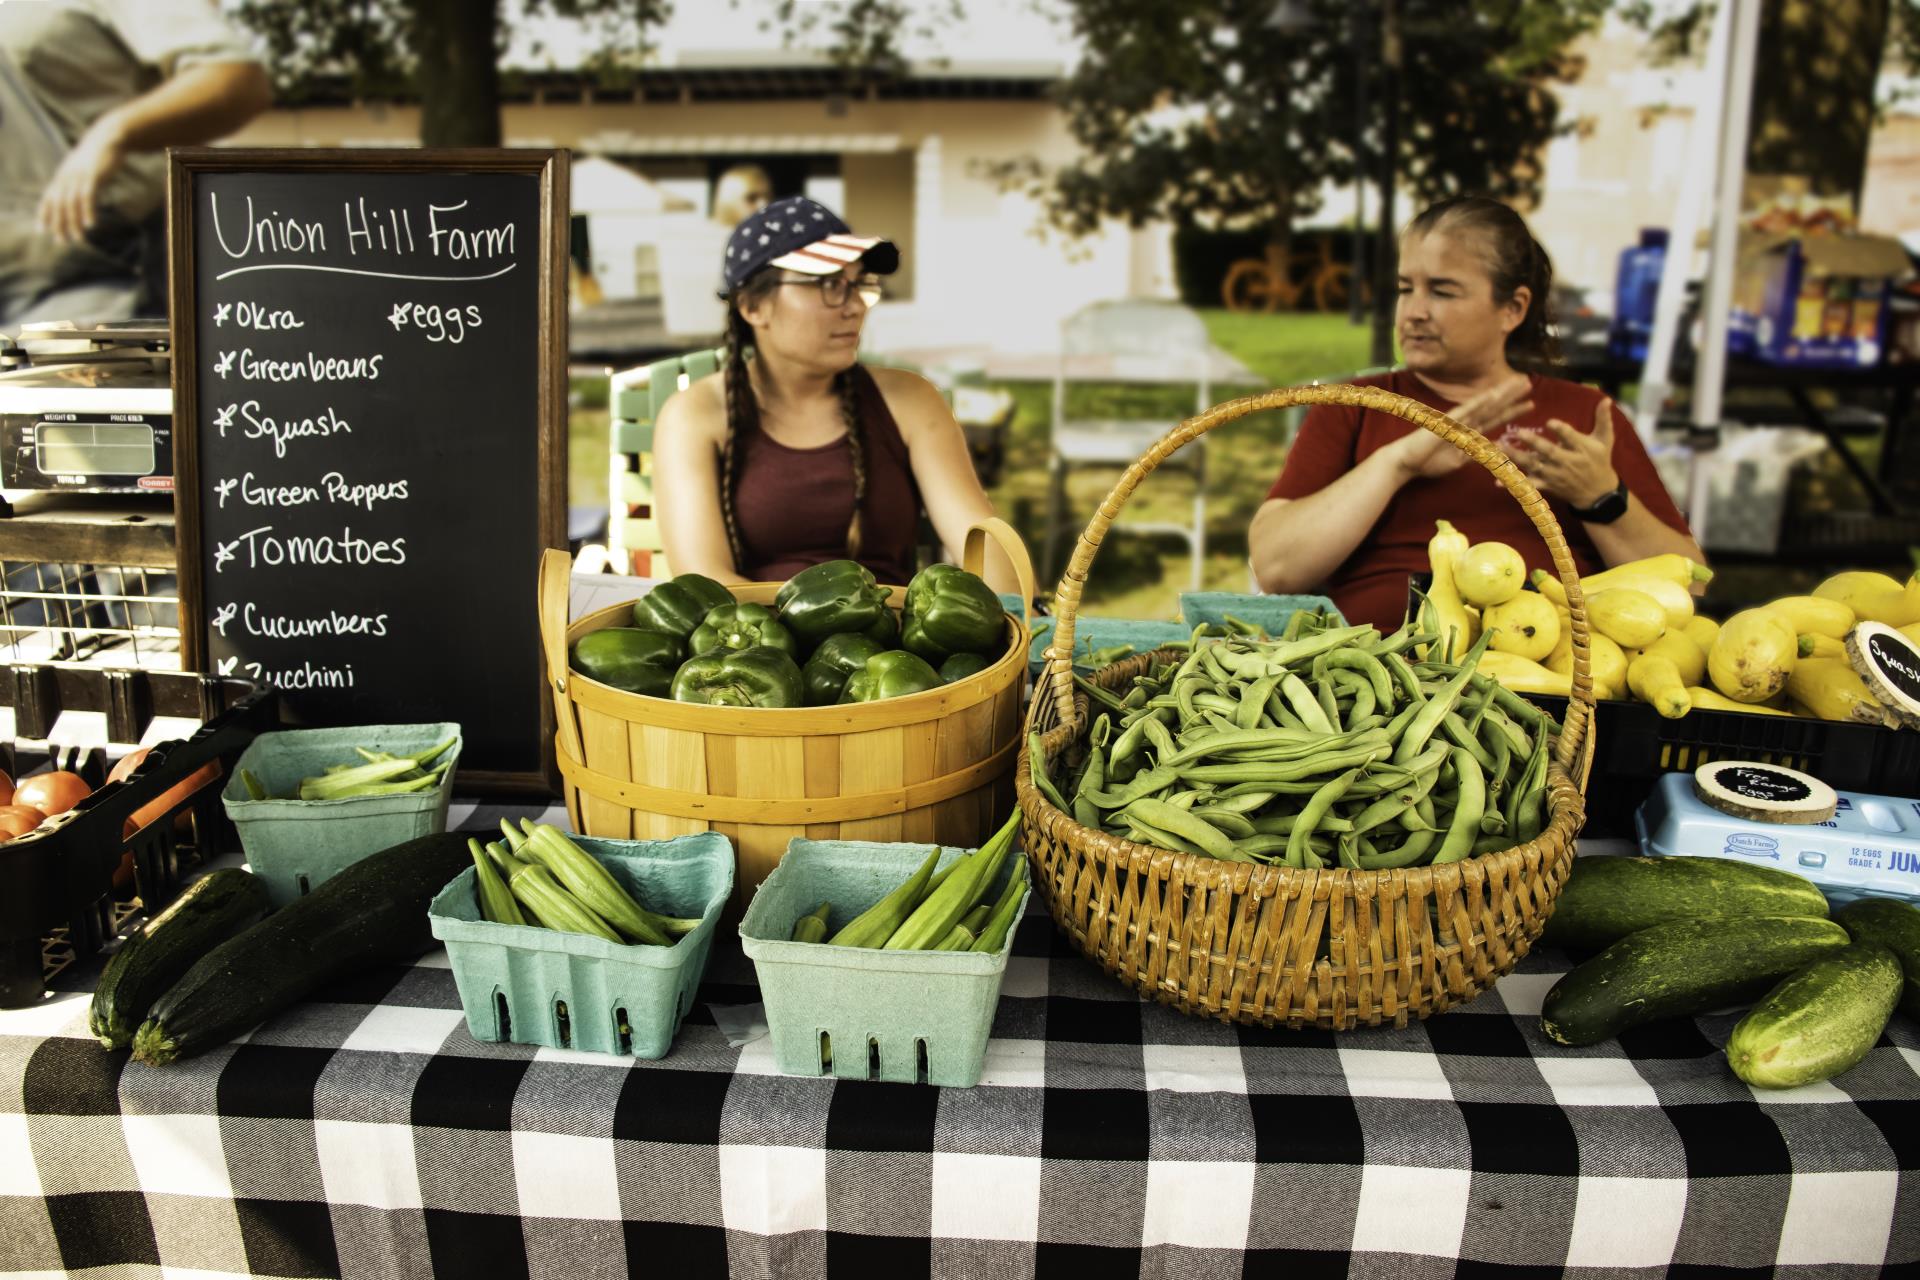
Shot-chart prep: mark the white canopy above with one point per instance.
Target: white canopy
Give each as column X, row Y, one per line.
column 602, row 186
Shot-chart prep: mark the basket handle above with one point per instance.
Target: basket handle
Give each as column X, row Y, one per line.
column 1066, row 600
column 973, row 558
column 556, row 584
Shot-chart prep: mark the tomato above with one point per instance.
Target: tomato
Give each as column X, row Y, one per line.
column 52, row 793
column 18, row 819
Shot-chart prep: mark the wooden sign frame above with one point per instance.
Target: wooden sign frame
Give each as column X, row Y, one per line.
column 550, row 166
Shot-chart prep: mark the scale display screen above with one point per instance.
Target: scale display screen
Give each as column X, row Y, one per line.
column 94, row 448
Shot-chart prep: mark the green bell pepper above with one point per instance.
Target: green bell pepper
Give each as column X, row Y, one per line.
column 952, row 611
column 629, row 658
column 886, row 632
column 756, row 677
column 741, row 626
column 679, row 605
column 835, row 662
column 892, row 674
column 962, row 665
column 829, row 598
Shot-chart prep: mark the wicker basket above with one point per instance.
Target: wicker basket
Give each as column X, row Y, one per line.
column 927, row 768
column 1239, row 942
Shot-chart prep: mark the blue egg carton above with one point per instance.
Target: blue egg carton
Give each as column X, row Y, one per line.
column 1091, row 634
column 1869, row 848
column 1271, row 612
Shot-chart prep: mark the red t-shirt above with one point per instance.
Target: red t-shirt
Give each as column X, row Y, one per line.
column 1372, row 585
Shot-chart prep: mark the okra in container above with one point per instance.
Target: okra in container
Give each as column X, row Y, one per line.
column 308, row 803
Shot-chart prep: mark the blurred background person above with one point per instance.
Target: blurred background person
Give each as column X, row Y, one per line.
column 741, row 191
column 92, row 92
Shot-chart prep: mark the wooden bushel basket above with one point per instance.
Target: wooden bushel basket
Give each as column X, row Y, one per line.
column 1245, row 943
column 927, row 768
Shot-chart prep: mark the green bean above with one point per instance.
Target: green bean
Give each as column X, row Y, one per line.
column 1121, row 762
column 1369, row 668
column 1185, row 799
column 1184, row 692
column 1491, row 844
column 1401, row 641
column 1403, row 675
column 1364, row 700
column 1223, row 723
column 1140, row 833
column 1275, row 658
column 1214, row 662
column 1424, row 725
column 1519, row 742
column 1037, row 773
column 1205, row 701
column 1093, row 778
column 1246, row 801
column 1311, row 815
column 1329, row 704
column 1250, row 739
column 1304, row 703
column 1262, row 846
column 1510, row 702
column 1406, row 854
column 1240, row 628
column 1348, row 846
column 1208, row 838
column 1253, row 701
column 1280, row 824
column 1530, row 817
column 1313, row 766
column 1136, row 696
column 1160, row 740
column 1492, row 823
column 1234, row 824
column 1457, row 732
column 1516, row 799
column 1143, row 784
column 1097, row 692
column 1283, row 714
column 1465, row 827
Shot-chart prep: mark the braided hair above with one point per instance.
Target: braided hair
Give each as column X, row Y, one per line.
column 1513, row 258
column 743, row 410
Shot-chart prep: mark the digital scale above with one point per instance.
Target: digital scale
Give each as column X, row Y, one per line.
column 87, row 410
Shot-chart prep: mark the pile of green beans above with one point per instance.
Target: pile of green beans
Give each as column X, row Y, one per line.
column 1330, row 746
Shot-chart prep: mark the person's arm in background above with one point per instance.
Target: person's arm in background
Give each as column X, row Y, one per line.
column 204, row 101
column 943, row 469
column 1580, row 468
column 686, row 490
column 1296, row 544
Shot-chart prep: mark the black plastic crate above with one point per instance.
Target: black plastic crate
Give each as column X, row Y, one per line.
column 59, row 903
column 1634, row 745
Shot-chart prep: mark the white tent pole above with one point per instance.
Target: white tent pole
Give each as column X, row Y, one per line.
column 1710, row 367
column 1696, row 191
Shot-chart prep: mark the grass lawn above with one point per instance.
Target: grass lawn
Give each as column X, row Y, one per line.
column 1135, row 576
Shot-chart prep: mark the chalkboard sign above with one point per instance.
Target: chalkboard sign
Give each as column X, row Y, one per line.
column 369, row 435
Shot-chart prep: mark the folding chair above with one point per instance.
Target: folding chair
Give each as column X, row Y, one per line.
column 1137, row 342
column 633, row 532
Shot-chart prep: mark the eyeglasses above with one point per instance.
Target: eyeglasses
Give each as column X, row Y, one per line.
column 833, row 289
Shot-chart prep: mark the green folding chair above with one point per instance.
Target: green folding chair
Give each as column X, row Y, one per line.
column 633, row 532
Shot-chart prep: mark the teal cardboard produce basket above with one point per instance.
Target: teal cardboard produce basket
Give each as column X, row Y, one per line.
column 298, row 845
column 1271, row 612
column 859, row 1012
column 571, row 991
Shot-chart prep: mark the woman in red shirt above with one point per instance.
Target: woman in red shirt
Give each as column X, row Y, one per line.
column 1356, row 503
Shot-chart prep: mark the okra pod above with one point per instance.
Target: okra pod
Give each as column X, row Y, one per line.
column 929, row 922
column 553, row 906
column 812, row 927
column 594, row 885
column 1000, row 919
column 877, row 923
column 496, row 900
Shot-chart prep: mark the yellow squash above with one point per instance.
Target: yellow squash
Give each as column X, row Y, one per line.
column 1753, row 656
column 1709, row 700
column 1522, row 676
column 1833, row 690
column 1874, row 597
column 1631, row 619
column 1703, row 631
column 1660, row 676
column 1526, row 624
column 1819, row 646
column 1455, row 628
column 1814, row 615
column 1677, row 569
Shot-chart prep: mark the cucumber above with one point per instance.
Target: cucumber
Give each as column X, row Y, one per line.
column 208, row 912
column 1605, row 898
column 1895, row 926
column 373, row 913
column 1681, row 968
column 1820, row 1021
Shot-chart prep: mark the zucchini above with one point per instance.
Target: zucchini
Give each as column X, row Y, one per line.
column 208, row 912
column 1820, row 1021
column 1607, row 898
column 373, row 913
column 1681, row 968
column 1895, row 926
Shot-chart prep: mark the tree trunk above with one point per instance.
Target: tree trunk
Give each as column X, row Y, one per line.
column 459, row 77
column 1386, row 255
column 1813, row 90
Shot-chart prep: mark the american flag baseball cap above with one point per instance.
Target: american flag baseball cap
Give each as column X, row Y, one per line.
column 801, row 235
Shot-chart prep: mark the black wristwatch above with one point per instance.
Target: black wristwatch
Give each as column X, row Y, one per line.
column 1607, row 508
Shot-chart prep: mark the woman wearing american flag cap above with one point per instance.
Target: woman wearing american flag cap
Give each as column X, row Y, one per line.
column 795, row 453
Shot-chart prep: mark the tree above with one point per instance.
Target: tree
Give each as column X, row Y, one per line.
column 1814, row 79
column 1238, row 112
column 445, row 53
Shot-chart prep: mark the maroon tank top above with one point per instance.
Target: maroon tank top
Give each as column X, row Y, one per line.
column 793, row 506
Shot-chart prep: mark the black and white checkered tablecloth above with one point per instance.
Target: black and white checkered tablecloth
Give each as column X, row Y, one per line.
column 364, row 1133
